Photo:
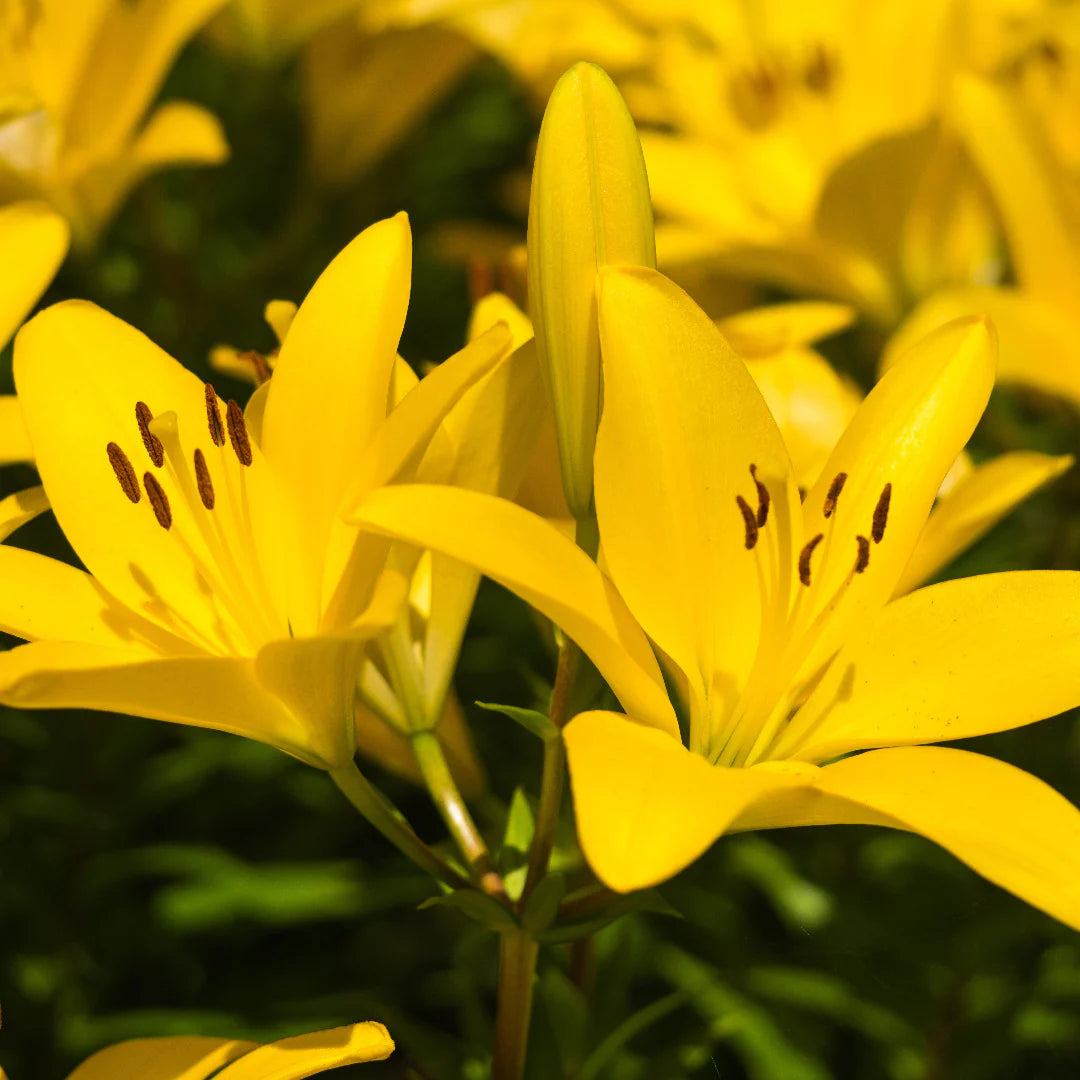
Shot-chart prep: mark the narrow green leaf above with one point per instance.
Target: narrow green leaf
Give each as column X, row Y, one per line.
column 536, row 723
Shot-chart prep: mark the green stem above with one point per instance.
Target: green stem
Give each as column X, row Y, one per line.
column 552, row 779
column 517, row 973
column 381, row 813
column 454, row 812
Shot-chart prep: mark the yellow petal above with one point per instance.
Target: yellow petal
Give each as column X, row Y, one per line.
column 209, row 691
column 962, row 658
column 354, row 115
column 766, row 330
column 328, row 396
column 1004, row 823
column 907, row 434
column 34, row 239
column 14, row 440
column 683, row 425
column 316, row 677
column 1037, row 200
column 180, row 132
column 180, row 1057
column 811, row 403
column 16, row 510
column 589, row 208
column 1037, row 338
column 534, row 560
column 133, row 51
column 404, row 437
column 646, row 807
column 495, row 308
column 974, row 505
column 79, row 372
column 306, row 1055
column 280, row 314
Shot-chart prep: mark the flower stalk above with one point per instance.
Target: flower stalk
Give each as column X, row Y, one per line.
column 517, row 972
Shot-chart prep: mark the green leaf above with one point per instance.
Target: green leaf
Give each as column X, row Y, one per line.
column 476, row 906
column 536, row 723
column 543, row 903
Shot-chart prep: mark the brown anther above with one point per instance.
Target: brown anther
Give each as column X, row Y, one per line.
column 234, row 417
column 863, row 559
column 158, row 500
column 749, row 520
column 819, row 75
column 478, row 273
column 152, row 443
column 213, row 416
column 203, row 481
column 839, row 480
column 806, row 555
column 258, row 362
column 1050, row 52
column 764, row 500
column 881, row 514
column 129, row 482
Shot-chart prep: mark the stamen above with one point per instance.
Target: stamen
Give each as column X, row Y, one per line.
column 839, row 480
column 152, row 443
column 764, row 499
column 258, row 362
column 806, row 555
column 863, row 561
column 203, row 481
column 234, row 417
column 158, row 500
column 820, row 73
column 881, row 514
column 129, row 482
column 213, row 417
column 749, row 520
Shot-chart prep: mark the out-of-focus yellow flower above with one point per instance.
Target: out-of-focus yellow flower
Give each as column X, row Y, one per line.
column 193, row 1057
column 269, row 30
column 224, row 590
column 807, row 151
column 34, row 240
column 76, row 81
column 536, row 39
column 365, row 88
column 813, row 405
column 589, row 208
column 1037, row 320
column 775, row 618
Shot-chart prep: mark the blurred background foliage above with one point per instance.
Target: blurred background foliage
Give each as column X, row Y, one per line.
column 159, row 880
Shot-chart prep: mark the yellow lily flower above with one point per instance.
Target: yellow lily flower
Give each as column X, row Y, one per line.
column 193, row 1057
column 813, row 405
column 1040, row 207
column 76, row 82
column 807, row 152
column 34, row 240
column 774, row 616
column 223, row 589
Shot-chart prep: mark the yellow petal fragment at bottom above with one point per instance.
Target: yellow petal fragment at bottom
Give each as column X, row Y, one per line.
column 646, row 807
column 306, row 1055
column 1004, row 823
column 958, row 659
column 974, row 506
column 183, row 1057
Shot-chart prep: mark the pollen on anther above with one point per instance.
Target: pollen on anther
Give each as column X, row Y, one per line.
column 213, row 416
column 125, row 473
column 881, row 514
column 203, row 481
column 259, row 364
column 862, row 561
column 839, row 480
column 234, row 417
column 150, row 441
column 806, row 555
column 749, row 520
column 764, row 499
column 158, row 500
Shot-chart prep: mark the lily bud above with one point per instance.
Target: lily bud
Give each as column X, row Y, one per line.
column 589, row 208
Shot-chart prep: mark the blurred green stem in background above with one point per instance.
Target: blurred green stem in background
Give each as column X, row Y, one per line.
column 517, row 973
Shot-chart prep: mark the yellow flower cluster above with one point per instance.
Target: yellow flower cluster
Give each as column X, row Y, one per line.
column 729, row 530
